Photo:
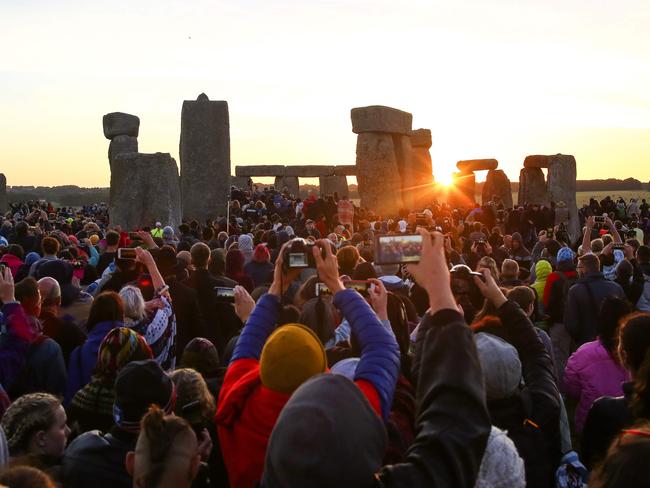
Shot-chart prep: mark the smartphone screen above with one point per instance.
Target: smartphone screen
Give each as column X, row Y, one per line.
column 126, row 253
column 398, row 249
column 225, row 293
column 360, row 286
column 321, row 289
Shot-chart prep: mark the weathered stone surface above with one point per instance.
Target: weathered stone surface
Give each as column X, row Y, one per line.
column 144, row 189
column 378, row 175
column 120, row 124
column 309, row 171
column 4, row 205
column 241, row 182
column 289, row 182
column 260, row 170
column 205, row 158
column 333, row 184
column 463, row 192
column 421, row 138
column 405, row 166
column 377, row 118
column 476, row 165
column 122, row 145
column 536, row 161
column 532, row 186
column 497, row 184
column 562, row 175
column 345, row 170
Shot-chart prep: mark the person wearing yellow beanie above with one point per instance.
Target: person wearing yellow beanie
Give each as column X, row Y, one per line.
column 269, row 364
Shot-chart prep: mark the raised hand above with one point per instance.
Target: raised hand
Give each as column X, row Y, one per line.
column 6, row 285
column 328, row 267
column 244, row 303
column 490, row 289
column 378, row 297
column 282, row 278
column 432, row 273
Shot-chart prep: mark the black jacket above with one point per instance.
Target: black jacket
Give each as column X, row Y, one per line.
column 607, row 416
column 583, row 305
column 188, row 316
column 531, row 417
column 452, row 420
column 218, row 318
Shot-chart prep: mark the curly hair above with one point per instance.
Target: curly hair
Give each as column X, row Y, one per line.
column 26, row 416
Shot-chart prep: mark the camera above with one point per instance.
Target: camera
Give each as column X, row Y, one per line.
column 298, row 254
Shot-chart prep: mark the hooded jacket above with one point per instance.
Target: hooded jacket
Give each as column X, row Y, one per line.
column 450, row 440
column 84, row 358
column 247, row 410
column 591, row 373
column 542, row 271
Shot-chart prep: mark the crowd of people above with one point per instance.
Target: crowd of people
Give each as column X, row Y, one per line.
column 509, row 354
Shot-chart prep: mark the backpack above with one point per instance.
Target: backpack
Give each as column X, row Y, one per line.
column 558, row 299
column 643, row 304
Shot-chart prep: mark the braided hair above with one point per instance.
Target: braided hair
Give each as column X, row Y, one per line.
column 26, row 416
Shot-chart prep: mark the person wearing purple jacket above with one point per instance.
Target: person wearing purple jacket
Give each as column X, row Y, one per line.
column 594, row 370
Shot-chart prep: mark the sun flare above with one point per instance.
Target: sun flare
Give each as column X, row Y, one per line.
column 445, row 179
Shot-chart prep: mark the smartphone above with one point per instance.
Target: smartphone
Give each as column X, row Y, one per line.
column 321, row 289
column 619, row 245
column 399, row 249
column 126, row 253
column 224, row 293
column 358, row 285
column 599, row 219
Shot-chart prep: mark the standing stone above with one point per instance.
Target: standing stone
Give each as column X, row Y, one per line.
column 331, row 184
column 121, row 145
column 532, row 186
column 407, row 170
column 4, row 205
column 377, row 118
column 422, row 167
column 144, row 189
column 120, row 124
column 291, row 183
column 241, row 182
column 205, row 158
column 497, row 184
column 378, row 175
column 562, row 174
column 536, row 161
column 476, row 165
column 463, row 190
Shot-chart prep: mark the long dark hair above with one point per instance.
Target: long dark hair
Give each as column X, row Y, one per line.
column 634, row 339
column 107, row 307
column 612, row 311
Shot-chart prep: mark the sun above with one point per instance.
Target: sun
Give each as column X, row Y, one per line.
column 445, row 179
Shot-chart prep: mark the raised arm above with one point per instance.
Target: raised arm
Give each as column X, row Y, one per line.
column 262, row 320
column 586, row 238
column 379, row 362
column 452, row 420
column 143, row 256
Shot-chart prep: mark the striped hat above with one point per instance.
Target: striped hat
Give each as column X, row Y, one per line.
column 120, row 346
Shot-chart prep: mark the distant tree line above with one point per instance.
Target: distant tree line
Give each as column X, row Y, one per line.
column 71, row 195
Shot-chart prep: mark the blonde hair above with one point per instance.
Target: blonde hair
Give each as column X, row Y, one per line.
column 133, row 302
column 491, row 264
column 26, row 416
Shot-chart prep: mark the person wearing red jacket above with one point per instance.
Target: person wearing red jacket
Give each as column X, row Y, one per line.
column 263, row 375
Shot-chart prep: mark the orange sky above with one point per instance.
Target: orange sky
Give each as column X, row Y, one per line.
column 499, row 79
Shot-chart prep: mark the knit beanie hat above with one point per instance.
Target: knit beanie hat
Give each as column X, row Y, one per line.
column 31, row 258
column 139, row 385
column 500, row 364
column 94, row 239
column 565, row 254
column 120, row 346
column 168, row 232
column 292, row 354
column 501, row 466
column 201, row 355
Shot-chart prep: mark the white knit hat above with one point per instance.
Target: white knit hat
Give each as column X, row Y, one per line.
column 501, row 466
